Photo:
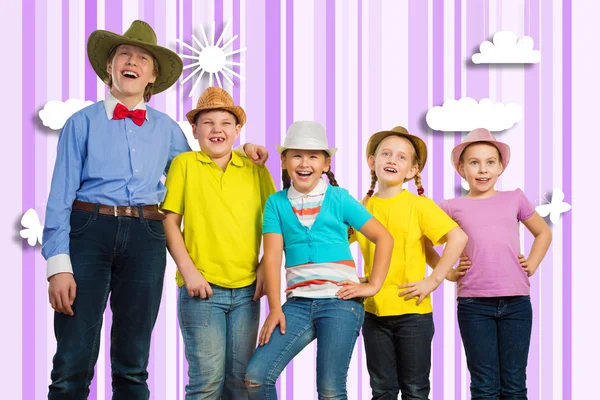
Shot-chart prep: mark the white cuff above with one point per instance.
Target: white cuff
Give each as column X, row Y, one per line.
column 57, row 264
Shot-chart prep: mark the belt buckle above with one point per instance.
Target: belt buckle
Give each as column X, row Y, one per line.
column 115, row 210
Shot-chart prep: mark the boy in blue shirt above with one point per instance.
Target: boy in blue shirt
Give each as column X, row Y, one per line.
column 103, row 232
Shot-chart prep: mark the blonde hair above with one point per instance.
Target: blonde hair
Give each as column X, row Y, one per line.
column 149, row 86
column 417, row 176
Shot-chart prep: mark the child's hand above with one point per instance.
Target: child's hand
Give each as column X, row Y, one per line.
column 256, row 153
column 418, row 289
column 260, row 282
column 275, row 318
column 529, row 270
column 197, row 286
column 455, row 274
column 351, row 290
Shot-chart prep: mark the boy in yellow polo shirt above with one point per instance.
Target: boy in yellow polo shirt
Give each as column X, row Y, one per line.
column 221, row 197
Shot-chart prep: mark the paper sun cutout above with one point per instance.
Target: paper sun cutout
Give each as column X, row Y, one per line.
column 467, row 114
column 555, row 207
column 55, row 113
column 505, row 49
column 211, row 58
column 33, row 227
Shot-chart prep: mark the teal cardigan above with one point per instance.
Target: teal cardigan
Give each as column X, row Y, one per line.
column 327, row 239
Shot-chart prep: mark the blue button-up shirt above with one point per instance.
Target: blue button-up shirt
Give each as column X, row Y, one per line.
column 112, row 162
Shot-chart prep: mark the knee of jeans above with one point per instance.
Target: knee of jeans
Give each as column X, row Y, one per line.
column 332, row 393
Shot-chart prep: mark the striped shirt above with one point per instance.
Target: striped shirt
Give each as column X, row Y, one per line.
column 315, row 280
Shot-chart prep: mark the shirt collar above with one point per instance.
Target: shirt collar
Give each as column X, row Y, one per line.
column 110, row 102
column 319, row 190
column 235, row 159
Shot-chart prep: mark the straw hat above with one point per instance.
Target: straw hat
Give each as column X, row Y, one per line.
column 215, row 98
column 417, row 142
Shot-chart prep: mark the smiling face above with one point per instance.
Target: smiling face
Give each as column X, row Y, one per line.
column 480, row 164
column 305, row 167
column 394, row 161
column 131, row 69
column 216, row 131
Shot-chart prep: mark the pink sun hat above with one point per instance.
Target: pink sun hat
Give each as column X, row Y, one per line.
column 480, row 135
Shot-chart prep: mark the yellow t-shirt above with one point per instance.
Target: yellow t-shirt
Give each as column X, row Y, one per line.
column 409, row 218
column 222, row 214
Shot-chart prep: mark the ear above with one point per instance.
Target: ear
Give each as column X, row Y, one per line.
column 501, row 169
column 238, row 129
column 283, row 162
column 194, row 131
column 327, row 164
column 412, row 171
column 371, row 162
column 461, row 169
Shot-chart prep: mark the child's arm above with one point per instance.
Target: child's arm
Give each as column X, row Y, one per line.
column 258, row 154
column 456, row 242
column 384, row 244
column 431, row 256
column 195, row 283
column 541, row 242
column 273, row 243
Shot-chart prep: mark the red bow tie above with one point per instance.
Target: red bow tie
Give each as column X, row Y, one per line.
column 137, row 116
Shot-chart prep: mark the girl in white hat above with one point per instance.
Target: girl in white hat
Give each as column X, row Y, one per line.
column 308, row 221
column 494, row 308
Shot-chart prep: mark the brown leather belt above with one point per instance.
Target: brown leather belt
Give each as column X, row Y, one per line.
column 149, row 212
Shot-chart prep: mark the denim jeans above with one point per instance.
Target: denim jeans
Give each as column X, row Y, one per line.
column 398, row 350
column 334, row 323
column 219, row 335
column 496, row 332
column 125, row 257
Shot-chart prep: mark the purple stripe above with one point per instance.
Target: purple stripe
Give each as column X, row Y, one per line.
column 179, row 94
column 289, row 119
column 237, row 44
column 566, row 218
column 219, row 23
column 457, row 191
column 547, row 87
column 330, row 72
column 438, row 188
column 28, row 199
column 320, row 66
column 359, row 167
column 532, row 184
column 65, row 50
column 91, row 16
column 272, row 81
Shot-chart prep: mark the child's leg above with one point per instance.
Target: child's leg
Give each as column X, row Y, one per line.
column 78, row 336
column 269, row 360
column 242, row 329
column 479, row 332
column 137, row 284
column 204, row 330
column 413, row 334
column 514, row 336
column 381, row 357
column 337, row 323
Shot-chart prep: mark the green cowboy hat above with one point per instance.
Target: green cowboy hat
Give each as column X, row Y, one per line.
column 101, row 43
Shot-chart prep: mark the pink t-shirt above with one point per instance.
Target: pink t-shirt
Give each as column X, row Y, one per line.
column 492, row 225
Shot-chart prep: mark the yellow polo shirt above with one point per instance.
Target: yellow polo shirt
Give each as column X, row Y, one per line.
column 222, row 214
column 409, row 219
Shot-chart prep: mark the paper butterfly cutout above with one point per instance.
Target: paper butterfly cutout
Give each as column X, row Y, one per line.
column 33, row 227
column 555, row 207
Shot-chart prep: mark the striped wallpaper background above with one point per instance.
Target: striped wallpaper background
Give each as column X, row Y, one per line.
column 356, row 66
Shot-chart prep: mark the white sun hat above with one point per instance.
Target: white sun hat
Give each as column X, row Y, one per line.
column 306, row 135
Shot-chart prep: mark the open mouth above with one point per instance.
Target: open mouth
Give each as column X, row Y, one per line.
column 303, row 175
column 217, row 139
column 390, row 169
column 129, row 74
column 482, row 180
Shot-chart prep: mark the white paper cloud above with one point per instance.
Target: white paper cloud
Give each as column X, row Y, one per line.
column 55, row 113
column 466, row 114
column 189, row 135
column 505, row 49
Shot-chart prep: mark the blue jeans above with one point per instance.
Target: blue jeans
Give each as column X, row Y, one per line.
column 334, row 323
column 219, row 335
column 125, row 257
column 496, row 332
column 398, row 350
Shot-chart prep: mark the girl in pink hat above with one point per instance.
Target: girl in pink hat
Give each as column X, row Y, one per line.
column 494, row 308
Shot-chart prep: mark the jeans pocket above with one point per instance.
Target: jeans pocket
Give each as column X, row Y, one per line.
column 80, row 222
column 353, row 305
column 156, row 229
column 193, row 311
column 465, row 300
